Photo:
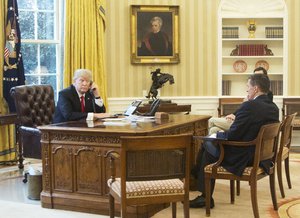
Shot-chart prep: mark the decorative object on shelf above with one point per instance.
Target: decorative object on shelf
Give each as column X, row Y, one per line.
column 240, row 66
column 235, row 52
column 268, row 52
column 262, row 63
column 251, row 28
column 158, row 80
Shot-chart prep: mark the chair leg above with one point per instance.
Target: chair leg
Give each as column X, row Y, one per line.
column 186, row 207
column 111, row 206
column 253, row 187
column 273, row 191
column 287, row 171
column 123, row 210
column 238, row 187
column 279, row 177
column 207, row 195
column 232, row 191
column 174, row 209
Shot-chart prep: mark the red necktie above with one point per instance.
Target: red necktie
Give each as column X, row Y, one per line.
column 82, row 103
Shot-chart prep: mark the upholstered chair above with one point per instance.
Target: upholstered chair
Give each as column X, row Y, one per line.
column 154, row 170
column 266, row 148
column 284, row 151
column 35, row 107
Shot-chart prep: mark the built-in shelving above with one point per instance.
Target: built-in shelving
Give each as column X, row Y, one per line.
column 268, row 47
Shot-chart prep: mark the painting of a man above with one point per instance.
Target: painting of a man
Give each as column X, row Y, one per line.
column 157, row 41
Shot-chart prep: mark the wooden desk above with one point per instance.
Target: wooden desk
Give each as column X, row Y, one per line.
column 8, row 119
column 167, row 107
column 75, row 167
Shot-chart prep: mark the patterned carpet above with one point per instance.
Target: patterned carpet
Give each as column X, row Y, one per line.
column 290, row 209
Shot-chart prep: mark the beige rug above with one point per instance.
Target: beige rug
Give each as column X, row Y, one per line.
column 20, row 210
column 288, row 207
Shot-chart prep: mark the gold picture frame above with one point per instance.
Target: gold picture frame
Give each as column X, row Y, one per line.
column 154, row 34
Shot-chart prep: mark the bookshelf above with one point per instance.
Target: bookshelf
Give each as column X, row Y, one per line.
column 240, row 51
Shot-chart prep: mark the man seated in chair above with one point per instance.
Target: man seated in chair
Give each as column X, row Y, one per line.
column 250, row 117
column 81, row 100
column 223, row 123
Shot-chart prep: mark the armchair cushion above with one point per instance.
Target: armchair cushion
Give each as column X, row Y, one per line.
column 140, row 189
column 222, row 170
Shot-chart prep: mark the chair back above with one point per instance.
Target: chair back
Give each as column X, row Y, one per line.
column 155, row 157
column 267, row 143
column 34, row 104
column 228, row 105
column 286, row 130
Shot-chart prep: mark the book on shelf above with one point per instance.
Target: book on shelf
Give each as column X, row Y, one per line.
column 230, row 32
column 276, row 87
column 274, row 32
column 226, row 87
column 251, row 50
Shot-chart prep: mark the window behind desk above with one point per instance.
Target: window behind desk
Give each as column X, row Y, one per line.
column 42, row 49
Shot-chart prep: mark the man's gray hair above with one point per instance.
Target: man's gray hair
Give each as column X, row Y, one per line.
column 82, row 73
column 157, row 19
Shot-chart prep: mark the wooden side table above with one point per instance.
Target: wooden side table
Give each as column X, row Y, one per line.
column 8, row 119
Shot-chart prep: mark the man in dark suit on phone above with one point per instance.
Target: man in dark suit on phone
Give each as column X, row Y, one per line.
column 81, row 100
column 250, row 117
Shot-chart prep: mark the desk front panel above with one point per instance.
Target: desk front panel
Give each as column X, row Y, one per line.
column 75, row 167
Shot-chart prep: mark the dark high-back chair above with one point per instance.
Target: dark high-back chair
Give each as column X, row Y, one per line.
column 35, row 107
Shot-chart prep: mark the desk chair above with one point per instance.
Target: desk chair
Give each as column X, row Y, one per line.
column 35, row 107
column 266, row 145
column 154, row 170
column 286, row 130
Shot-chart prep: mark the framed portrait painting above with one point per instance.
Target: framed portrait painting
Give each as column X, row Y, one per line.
column 154, row 34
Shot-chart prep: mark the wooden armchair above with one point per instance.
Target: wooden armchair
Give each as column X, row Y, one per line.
column 154, row 170
column 286, row 130
column 290, row 106
column 266, row 144
column 228, row 105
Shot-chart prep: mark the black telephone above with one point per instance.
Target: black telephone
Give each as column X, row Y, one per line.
column 91, row 90
column 153, row 108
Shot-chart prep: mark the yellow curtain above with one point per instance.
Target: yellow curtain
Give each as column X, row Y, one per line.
column 84, row 41
column 6, row 132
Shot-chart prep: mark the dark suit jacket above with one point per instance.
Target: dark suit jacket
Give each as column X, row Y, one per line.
column 249, row 118
column 69, row 108
column 156, row 44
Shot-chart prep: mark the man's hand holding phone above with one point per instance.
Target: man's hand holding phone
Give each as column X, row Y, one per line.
column 94, row 89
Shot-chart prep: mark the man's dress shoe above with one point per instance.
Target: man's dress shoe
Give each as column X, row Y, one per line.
column 199, row 202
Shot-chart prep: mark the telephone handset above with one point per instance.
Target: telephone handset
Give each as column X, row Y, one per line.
column 153, row 108
column 91, row 91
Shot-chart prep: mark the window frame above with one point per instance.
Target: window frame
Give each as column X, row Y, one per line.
column 58, row 12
